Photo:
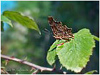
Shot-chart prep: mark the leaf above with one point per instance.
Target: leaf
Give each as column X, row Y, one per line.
column 51, row 55
column 55, row 44
column 75, row 54
column 6, row 20
column 91, row 72
column 23, row 20
column 2, row 25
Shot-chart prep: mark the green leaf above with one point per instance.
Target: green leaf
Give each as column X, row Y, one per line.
column 51, row 55
column 2, row 25
column 75, row 54
column 55, row 44
column 6, row 20
column 91, row 72
column 23, row 20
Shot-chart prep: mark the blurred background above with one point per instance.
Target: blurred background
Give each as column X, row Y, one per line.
column 24, row 43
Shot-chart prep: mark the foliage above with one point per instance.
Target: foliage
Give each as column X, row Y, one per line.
column 74, row 54
column 51, row 56
column 91, row 72
column 23, row 20
column 6, row 20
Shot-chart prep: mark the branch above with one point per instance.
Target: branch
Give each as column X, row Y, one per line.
column 31, row 64
column 95, row 37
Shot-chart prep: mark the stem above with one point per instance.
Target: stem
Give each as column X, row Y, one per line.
column 95, row 37
column 31, row 64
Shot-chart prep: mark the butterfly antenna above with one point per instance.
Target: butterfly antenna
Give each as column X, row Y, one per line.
column 47, row 31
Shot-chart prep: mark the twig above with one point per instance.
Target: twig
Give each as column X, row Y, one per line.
column 31, row 64
column 95, row 37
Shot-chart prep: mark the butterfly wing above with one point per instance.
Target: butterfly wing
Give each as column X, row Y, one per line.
column 59, row 31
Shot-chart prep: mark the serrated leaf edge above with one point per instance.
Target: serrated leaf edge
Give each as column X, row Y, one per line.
column 87, row 61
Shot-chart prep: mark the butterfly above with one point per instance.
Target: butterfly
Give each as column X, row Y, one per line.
column 60, row 31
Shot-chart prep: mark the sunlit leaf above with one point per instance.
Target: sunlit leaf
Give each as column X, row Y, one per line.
column 91, row 72
column 23, row 20
column 51, row 55
column 75, row 54
column 6, row 20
